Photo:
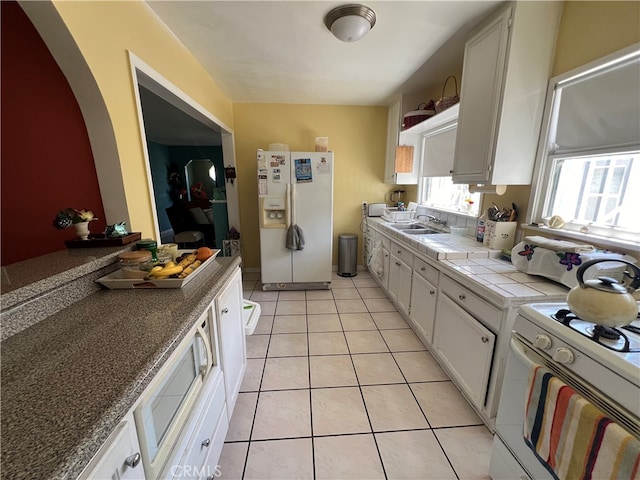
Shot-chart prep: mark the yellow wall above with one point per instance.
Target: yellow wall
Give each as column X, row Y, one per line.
column 104, row 31
column 591, row 30
column 357, row 136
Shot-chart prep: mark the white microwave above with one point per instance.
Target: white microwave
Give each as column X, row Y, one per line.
column 167, row 401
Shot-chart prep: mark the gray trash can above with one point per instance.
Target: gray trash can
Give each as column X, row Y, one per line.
column 348, row 255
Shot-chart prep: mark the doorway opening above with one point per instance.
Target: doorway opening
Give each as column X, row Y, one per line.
column 183, row 144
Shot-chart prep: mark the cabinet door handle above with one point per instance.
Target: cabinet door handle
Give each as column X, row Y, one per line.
column 206, row 443
column 225, row 310
column 133, row 460
column 399, row 252
column 485, row 339
column 422, row 269
column 461, row 296
column 432, row 292
column 450, row 171
column 398, row 264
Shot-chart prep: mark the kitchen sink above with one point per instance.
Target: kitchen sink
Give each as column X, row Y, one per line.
column 413, row 228
column 420, row 231
column 407, row 226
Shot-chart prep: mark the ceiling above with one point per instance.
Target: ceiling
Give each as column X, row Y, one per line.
column 281, row 51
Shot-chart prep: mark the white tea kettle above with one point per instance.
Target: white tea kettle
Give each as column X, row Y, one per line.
column 604, row 301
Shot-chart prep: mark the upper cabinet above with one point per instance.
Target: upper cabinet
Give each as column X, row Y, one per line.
column 426, row 149
column 393, row 131
column 507, row 64
column 438, row 143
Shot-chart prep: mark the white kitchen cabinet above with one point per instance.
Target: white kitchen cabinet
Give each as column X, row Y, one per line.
column 438, row 143
column 393, row 130
column 204, row 436
column 465, row 347
column 507, row 64
column 119, row 457
column 400, row 273
column 424, row 294
column 231, row 337
column 384, row 279
column 370, row 240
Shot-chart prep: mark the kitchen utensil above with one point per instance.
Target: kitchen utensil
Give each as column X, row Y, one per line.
column 604, row 301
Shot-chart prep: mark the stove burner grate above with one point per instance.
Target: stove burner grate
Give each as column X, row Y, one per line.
column 565, row 317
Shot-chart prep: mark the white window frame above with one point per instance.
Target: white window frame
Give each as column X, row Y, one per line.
column 605, row 236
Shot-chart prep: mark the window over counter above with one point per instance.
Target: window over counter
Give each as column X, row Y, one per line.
column 589, row 159
column 442, row 194
column 435, row 186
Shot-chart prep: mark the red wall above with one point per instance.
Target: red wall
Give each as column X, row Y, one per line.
column 46, row 159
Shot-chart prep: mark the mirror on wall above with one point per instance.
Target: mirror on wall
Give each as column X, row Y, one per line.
column 201, row 179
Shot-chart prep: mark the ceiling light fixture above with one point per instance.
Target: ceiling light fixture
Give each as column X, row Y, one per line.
column 350, row 23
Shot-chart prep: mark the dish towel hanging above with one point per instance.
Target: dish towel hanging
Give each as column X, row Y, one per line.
column 376, row 259
column 571, row 437
column 295, row 237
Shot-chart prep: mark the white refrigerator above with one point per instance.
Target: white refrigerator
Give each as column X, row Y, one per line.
column 295, row 189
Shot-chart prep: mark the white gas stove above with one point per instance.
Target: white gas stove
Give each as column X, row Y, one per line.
column 616, row 349
column 605, row 371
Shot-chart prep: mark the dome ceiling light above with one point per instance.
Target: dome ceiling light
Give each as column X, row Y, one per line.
column 350, row 23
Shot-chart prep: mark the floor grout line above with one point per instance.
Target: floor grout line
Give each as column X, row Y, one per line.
column 358, row 380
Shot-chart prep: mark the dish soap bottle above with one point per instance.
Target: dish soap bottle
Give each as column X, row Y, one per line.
column 480, row 228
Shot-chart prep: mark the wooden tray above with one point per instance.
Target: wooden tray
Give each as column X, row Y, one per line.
column 100, row 240
column 115, row 281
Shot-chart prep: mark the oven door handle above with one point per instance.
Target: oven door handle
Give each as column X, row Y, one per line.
column 204, row 369
column 518, row 349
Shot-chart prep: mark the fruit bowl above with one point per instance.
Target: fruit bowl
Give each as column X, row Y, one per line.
column 115, row 280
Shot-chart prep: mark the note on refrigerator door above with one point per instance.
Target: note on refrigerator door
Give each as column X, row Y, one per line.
column 324, row 166
column 262, row 181
column 303, row 170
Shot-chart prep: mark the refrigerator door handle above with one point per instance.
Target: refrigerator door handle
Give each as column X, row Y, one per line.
column 293, row 203
column 288, row 205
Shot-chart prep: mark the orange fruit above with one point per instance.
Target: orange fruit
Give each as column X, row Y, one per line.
column 203, row 253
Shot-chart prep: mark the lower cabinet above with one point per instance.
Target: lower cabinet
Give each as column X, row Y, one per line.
column 208, row 429
column 400, row 273
column 400, row 283
column 232, row 344
column 119, row 458
column 423, row 306
column 384, row 279
column 465, row 347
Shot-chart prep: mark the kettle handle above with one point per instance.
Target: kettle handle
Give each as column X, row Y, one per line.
column 635, row 282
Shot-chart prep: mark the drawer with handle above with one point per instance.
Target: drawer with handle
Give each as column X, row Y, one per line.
column 428, row 272
column 489, row 315
column 402, row 253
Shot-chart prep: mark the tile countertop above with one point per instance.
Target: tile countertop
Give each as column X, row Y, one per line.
column 69, row 379
column 479, row 268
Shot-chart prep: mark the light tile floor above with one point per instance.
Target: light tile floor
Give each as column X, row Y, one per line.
column 339, row 387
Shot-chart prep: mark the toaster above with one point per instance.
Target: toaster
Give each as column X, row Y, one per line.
column 376, row 209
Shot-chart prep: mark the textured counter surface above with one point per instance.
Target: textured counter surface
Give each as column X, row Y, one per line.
column 69, row 379
column 23, row 280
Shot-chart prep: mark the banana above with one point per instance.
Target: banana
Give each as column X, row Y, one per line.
column 188, row 260
column 190, row 269
column 169, row 269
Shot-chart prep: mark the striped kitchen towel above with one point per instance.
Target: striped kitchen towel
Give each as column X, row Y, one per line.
column 571, row 437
